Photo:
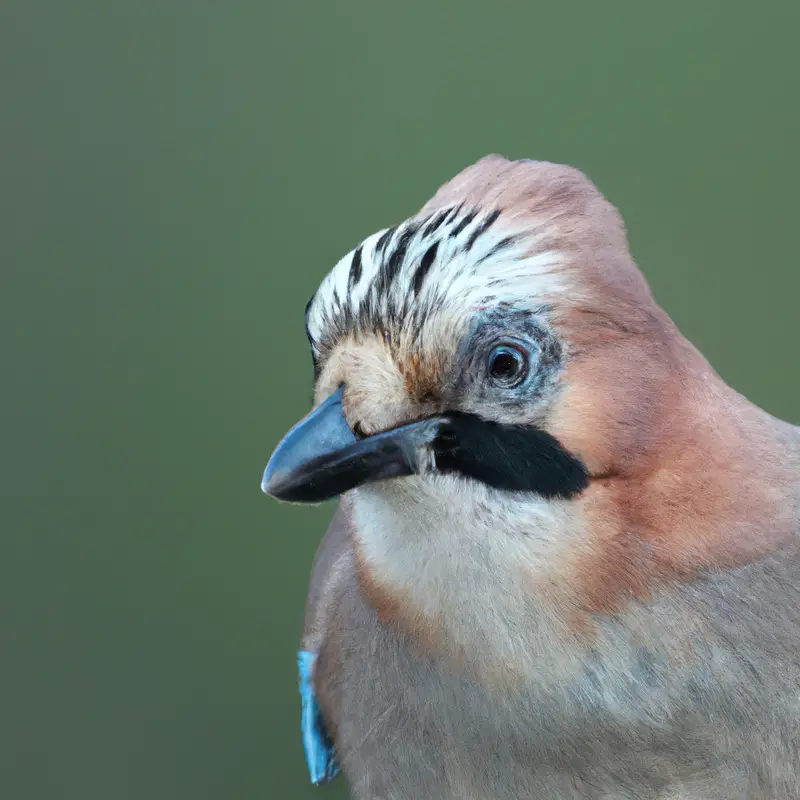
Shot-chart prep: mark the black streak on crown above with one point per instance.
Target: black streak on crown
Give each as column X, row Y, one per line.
column 481, row 229
column 380, row 246
column 454, row 212
column 307, row 315
column 500, row 246
column 435, row 222
column 465, row 220
column 392, row 264
column 391, row 250
column 310, row 338
column 355, row 268
column 424, row 267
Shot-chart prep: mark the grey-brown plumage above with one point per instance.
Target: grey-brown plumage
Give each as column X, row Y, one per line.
column 722, row 723
column 575, row 571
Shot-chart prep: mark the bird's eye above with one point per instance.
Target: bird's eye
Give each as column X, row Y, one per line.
column 507, row 365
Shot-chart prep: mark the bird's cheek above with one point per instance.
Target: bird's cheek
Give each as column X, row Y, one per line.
column 585, row 436
column 603, row 415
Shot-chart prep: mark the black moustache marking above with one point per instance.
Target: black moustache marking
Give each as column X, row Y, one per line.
column 516, row 458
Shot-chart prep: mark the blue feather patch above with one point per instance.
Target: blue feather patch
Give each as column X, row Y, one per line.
column 320, row 754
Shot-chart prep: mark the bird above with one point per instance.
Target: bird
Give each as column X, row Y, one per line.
column 564, row 558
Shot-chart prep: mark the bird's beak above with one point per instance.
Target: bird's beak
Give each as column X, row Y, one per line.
column 321, row 457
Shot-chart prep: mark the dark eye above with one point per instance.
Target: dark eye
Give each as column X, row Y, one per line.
column 507, row 365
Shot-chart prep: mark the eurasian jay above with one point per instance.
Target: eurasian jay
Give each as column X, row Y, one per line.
column 565, row 559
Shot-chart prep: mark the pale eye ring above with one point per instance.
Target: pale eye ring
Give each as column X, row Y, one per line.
column 507, row 365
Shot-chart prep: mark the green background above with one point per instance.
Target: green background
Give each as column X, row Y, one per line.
column 175, row 179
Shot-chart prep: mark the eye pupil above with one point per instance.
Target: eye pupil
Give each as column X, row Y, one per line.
column 506, row 365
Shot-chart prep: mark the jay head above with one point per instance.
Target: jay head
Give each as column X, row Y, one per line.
column 506, row 409
column 533, row 463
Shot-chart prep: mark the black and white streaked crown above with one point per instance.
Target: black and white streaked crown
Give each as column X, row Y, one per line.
column 435, row 270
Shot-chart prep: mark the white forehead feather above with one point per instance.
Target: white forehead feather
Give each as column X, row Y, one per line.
column 469, row 261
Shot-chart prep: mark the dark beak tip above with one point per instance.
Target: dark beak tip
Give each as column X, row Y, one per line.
column 274, row 489
column 273, row 483
column 287, row 486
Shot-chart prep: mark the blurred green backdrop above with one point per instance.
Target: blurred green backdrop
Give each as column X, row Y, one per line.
column 175, row 179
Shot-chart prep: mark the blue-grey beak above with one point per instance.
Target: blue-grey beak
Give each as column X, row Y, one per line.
column 321, row 457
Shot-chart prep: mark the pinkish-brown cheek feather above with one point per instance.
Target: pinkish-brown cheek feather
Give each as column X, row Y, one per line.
column 677, row 461
column 674, row 520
